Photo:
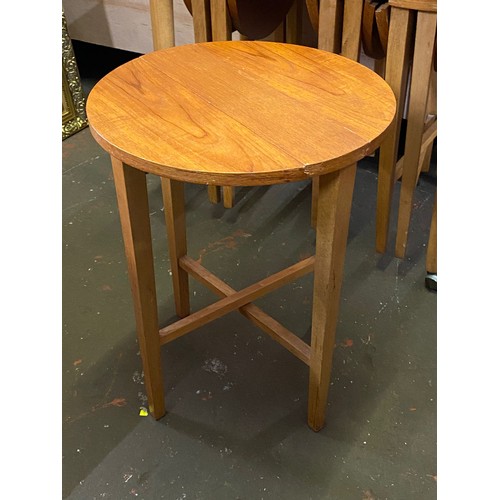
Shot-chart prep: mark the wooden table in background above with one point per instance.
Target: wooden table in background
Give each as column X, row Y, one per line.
column 238, row 114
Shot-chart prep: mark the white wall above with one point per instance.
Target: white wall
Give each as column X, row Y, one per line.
column 122, row 24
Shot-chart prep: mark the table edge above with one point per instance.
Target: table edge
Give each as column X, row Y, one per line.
column 238, row 178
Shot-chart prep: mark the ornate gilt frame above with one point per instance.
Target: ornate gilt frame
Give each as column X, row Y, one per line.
column 74, row 117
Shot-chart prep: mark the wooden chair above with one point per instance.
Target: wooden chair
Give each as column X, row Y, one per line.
column 411, row 44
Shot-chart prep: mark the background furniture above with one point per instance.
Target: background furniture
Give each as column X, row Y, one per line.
column 236, row 135
column 410, row 58
column 122, row 24
column 74, row 117
column 431, row 256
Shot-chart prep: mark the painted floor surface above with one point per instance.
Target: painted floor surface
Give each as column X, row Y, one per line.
column 237, row 401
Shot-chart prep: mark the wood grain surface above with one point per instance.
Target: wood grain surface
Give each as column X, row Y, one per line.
column 240, row 113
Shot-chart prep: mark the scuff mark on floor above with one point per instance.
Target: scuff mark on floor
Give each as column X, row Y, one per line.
column 229, row 243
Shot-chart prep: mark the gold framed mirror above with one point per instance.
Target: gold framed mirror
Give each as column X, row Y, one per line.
column 74, row 117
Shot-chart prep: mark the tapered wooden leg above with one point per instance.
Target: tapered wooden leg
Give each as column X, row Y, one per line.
column 220, row 20
column 202, row 25
column 213, row 194
column 133, row 205
column 175, row 219
column 314, row 201
column 334, row 209
column 330, row 25
column 431, row 110
column 351, row 29
column 396, row 75
column 417, row 105
column 379, row 67
column 228, row 196
column 431, row 257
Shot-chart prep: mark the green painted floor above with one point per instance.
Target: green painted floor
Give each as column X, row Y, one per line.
column 237, row 401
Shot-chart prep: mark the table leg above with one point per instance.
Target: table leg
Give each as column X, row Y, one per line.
column 175, row 218
column 314, row 201
column 228, row 196
column 330, row 25
column 293, row 23
column 396, row 75
column 213, row 194
column 133, row 205
column 351, row 29
column 334, row 209
column 417, row 105
column 431, row 257
column 202, row 25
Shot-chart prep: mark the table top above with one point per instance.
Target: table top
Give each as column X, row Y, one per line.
column 240, row 113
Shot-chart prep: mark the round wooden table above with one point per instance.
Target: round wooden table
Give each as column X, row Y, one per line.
column 238, row 114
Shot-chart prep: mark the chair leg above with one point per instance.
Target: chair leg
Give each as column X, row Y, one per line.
column 314, row 201
column 175, row 218
column 417, row 105
column 162, row 23
column 431, row 110
column 228, row 196
column 379, row 67
column 213, row 194
column 351, row 29
column 132, row 195
column 431, row 257
column 293, row 23
column 396, row 75
column 330, row 25
column 334, row 209
column 202, row 24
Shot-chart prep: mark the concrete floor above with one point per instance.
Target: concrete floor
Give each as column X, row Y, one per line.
column 237, row 401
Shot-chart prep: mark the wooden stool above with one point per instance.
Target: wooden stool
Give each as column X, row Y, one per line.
column 412, row 29
column 237, row 114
